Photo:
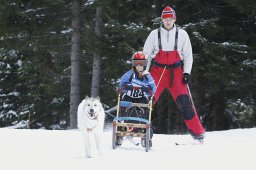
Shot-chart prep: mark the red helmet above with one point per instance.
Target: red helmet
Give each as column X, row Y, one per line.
column 139, row 57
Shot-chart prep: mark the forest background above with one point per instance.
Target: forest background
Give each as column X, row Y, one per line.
column 55, row 52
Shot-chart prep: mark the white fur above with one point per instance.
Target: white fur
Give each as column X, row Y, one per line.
column 88, row 124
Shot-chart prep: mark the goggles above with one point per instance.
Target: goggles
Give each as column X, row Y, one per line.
column 168, row 19
column 139, row 62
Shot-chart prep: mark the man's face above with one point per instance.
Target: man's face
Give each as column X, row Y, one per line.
column 168, row 23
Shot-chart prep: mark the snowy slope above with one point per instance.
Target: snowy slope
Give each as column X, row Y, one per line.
column 63, row 150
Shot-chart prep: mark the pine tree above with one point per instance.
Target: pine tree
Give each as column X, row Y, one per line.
column 32, row 31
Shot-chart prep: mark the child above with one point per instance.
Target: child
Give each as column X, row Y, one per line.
column 137, row 85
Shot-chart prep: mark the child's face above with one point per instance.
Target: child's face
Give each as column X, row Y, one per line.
column 139, row 68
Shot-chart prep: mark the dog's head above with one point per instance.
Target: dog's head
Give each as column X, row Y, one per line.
column 92, row 107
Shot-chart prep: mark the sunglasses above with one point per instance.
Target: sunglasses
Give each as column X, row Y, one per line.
column 168, row 19
column 139, row 62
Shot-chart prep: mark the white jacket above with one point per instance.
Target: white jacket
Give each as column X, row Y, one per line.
column 151, row 46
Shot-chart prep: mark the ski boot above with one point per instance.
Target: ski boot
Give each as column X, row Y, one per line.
column 197, row 137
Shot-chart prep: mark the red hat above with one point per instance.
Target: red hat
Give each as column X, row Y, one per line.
column 168, row 12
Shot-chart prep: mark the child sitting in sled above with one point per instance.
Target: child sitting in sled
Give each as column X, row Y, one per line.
column 137, row 85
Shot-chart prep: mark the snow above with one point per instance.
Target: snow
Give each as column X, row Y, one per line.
column 10, row 94
column 32, row 10
column 89, row 2
column 68, row 30
column 23, row 149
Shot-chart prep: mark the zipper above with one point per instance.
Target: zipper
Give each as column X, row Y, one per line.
column 167, row 36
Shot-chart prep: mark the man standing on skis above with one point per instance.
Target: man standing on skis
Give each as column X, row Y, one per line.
column 171, row 51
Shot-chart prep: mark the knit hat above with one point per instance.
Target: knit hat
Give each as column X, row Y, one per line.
column 168, row 12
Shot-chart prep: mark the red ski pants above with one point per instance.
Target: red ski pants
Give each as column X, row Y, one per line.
column 176, row 87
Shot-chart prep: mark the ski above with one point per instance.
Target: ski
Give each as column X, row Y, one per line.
column 189, row 143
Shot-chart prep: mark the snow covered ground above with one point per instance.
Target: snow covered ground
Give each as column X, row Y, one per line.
column 63, row 150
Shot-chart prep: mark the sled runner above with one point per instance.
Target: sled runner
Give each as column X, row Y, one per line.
column 132, row 120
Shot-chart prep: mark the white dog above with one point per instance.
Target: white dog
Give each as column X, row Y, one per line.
column 90, row 119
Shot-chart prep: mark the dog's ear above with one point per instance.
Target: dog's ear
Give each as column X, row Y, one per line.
column 87, row 97
column 97, row 98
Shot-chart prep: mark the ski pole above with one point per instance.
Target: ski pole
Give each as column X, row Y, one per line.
column 160, row 79
column 190, row 96
column 151, row 100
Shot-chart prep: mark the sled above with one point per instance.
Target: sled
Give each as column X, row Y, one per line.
column 129, row 125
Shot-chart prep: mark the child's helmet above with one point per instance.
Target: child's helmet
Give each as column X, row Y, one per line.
column 139, row 57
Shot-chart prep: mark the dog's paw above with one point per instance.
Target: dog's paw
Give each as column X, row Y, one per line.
column 100, row 153
column 88, row 156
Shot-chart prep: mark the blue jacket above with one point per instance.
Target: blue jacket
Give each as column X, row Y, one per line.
column 131, row 77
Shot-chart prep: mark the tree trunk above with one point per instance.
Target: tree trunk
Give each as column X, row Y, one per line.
column 219, row 104
column 216, row 118
column 75, row 64
column 96, row 70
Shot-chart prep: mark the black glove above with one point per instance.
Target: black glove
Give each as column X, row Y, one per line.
column 128, row 86
column 145, row 89
column 186, row 78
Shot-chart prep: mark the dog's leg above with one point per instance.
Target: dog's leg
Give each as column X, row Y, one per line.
column 87, row 143
column 98, row 136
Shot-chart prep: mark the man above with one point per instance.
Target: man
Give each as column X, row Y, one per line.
column 172, row 52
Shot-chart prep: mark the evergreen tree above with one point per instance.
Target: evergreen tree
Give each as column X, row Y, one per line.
column 35, row 39
column 35, row 43
column 222, row 46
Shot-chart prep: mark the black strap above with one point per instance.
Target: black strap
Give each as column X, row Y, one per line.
column 159, row 39
column 176, row 39
column 130, row 79
column 169, row 66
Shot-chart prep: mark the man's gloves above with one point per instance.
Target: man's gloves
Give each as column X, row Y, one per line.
column 186, row 78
